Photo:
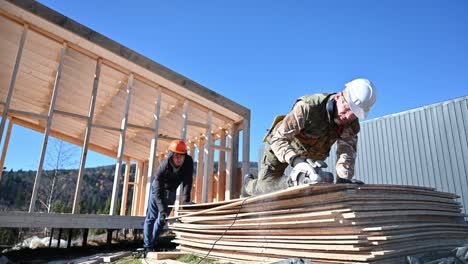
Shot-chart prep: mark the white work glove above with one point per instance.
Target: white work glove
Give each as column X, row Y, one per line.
column 296, row 160
column 304, row 169
column 310, row 170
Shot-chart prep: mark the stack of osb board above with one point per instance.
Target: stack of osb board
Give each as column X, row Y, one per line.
column 325, row 224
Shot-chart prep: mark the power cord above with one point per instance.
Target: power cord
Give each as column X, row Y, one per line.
column 225, row 231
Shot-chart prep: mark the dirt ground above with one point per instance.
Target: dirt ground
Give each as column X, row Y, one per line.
column 44, row 255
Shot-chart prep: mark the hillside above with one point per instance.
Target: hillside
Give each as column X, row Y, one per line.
column 16, row 188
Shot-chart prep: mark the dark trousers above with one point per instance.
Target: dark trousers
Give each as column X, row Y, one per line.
column 152, row 226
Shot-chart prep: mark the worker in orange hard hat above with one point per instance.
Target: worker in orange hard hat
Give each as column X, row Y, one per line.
column 177, row 168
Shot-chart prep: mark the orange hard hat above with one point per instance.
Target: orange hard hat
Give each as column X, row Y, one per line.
column 178, row 146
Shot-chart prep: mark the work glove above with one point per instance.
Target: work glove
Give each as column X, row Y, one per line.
column 162, row 218
column 304, row 173
column 296, row 160
column 346, row 181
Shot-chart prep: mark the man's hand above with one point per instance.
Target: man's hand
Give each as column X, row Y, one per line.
column 303, row 173
column 162, row 218
column 296, row 160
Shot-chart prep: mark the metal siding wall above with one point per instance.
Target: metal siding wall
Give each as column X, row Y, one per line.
column 427, row 146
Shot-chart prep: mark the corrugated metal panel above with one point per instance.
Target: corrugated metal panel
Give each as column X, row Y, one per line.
column 426, row 146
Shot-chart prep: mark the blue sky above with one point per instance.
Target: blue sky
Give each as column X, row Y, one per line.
column 265, row 54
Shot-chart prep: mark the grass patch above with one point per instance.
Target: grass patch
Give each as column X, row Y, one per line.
column 128, row 260
column 191, row 259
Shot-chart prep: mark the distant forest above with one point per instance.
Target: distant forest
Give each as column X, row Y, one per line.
column 57, row 189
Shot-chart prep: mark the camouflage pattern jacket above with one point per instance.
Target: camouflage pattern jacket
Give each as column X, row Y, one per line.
column 309, row 131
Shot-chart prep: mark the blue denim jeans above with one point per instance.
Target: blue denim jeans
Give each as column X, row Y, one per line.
column 152, row 226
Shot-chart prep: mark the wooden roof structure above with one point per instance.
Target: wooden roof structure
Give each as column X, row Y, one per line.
column 65, row 80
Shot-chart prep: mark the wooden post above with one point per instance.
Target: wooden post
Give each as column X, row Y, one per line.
column 220, row 194
column 59, row 237
column 146, row 187
column 154, row 140
column 191, row 147
column 199, row 178
column 84, row 151
column 233, row 161
column 245, row 148
column 51, row 237
column 50, row 115
column 109, row 239
column 123, row 206
column 183, row 136
column 85, row 237
column 123, row 132
column 208, row 160
column 153, row 156
column 70, row 233
column 136, row 190
column 6, row 107
column 142, row 188
column 212, row 178
column 5, row 147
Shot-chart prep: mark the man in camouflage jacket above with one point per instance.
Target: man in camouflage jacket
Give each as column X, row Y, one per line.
column 314, row 124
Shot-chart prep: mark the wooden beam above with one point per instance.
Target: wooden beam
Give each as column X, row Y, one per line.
column 183, row 136
column 106, row 107
column 15, row 112
column 208, row 160
column 65, row 113
column 220, row 193
column 232, row 162
column 221, row 148
column 65, row 137
column 191, row 147
column 130, row 125
column 136, row 190
column 199, row 177
column 162, row 116
column 13, row 80
column 32, row 205
column 145, row 188
column 84, row 152
column 197, row 124
column 15, row 219
column 245, row 147
column 107, row 127
column 123, row 205
column 95, row 45
column 118, row 166
column 154, row 141
column 5, row 147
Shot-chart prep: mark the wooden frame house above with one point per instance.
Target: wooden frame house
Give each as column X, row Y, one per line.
column 65, row 80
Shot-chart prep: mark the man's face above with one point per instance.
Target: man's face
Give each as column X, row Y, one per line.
column 343, row 114
column 178, row 159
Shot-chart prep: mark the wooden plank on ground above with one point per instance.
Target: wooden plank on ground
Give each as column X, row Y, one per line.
column 165, row 255
column 116, row 256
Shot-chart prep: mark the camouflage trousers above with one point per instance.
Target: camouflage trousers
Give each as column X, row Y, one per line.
column 270, row 177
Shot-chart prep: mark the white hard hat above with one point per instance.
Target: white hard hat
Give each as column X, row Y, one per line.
column 361, row 95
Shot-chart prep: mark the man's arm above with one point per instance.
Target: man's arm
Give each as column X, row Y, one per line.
column 159, row 192
column 290, row 126
column 187, row 179
column 346, row 153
